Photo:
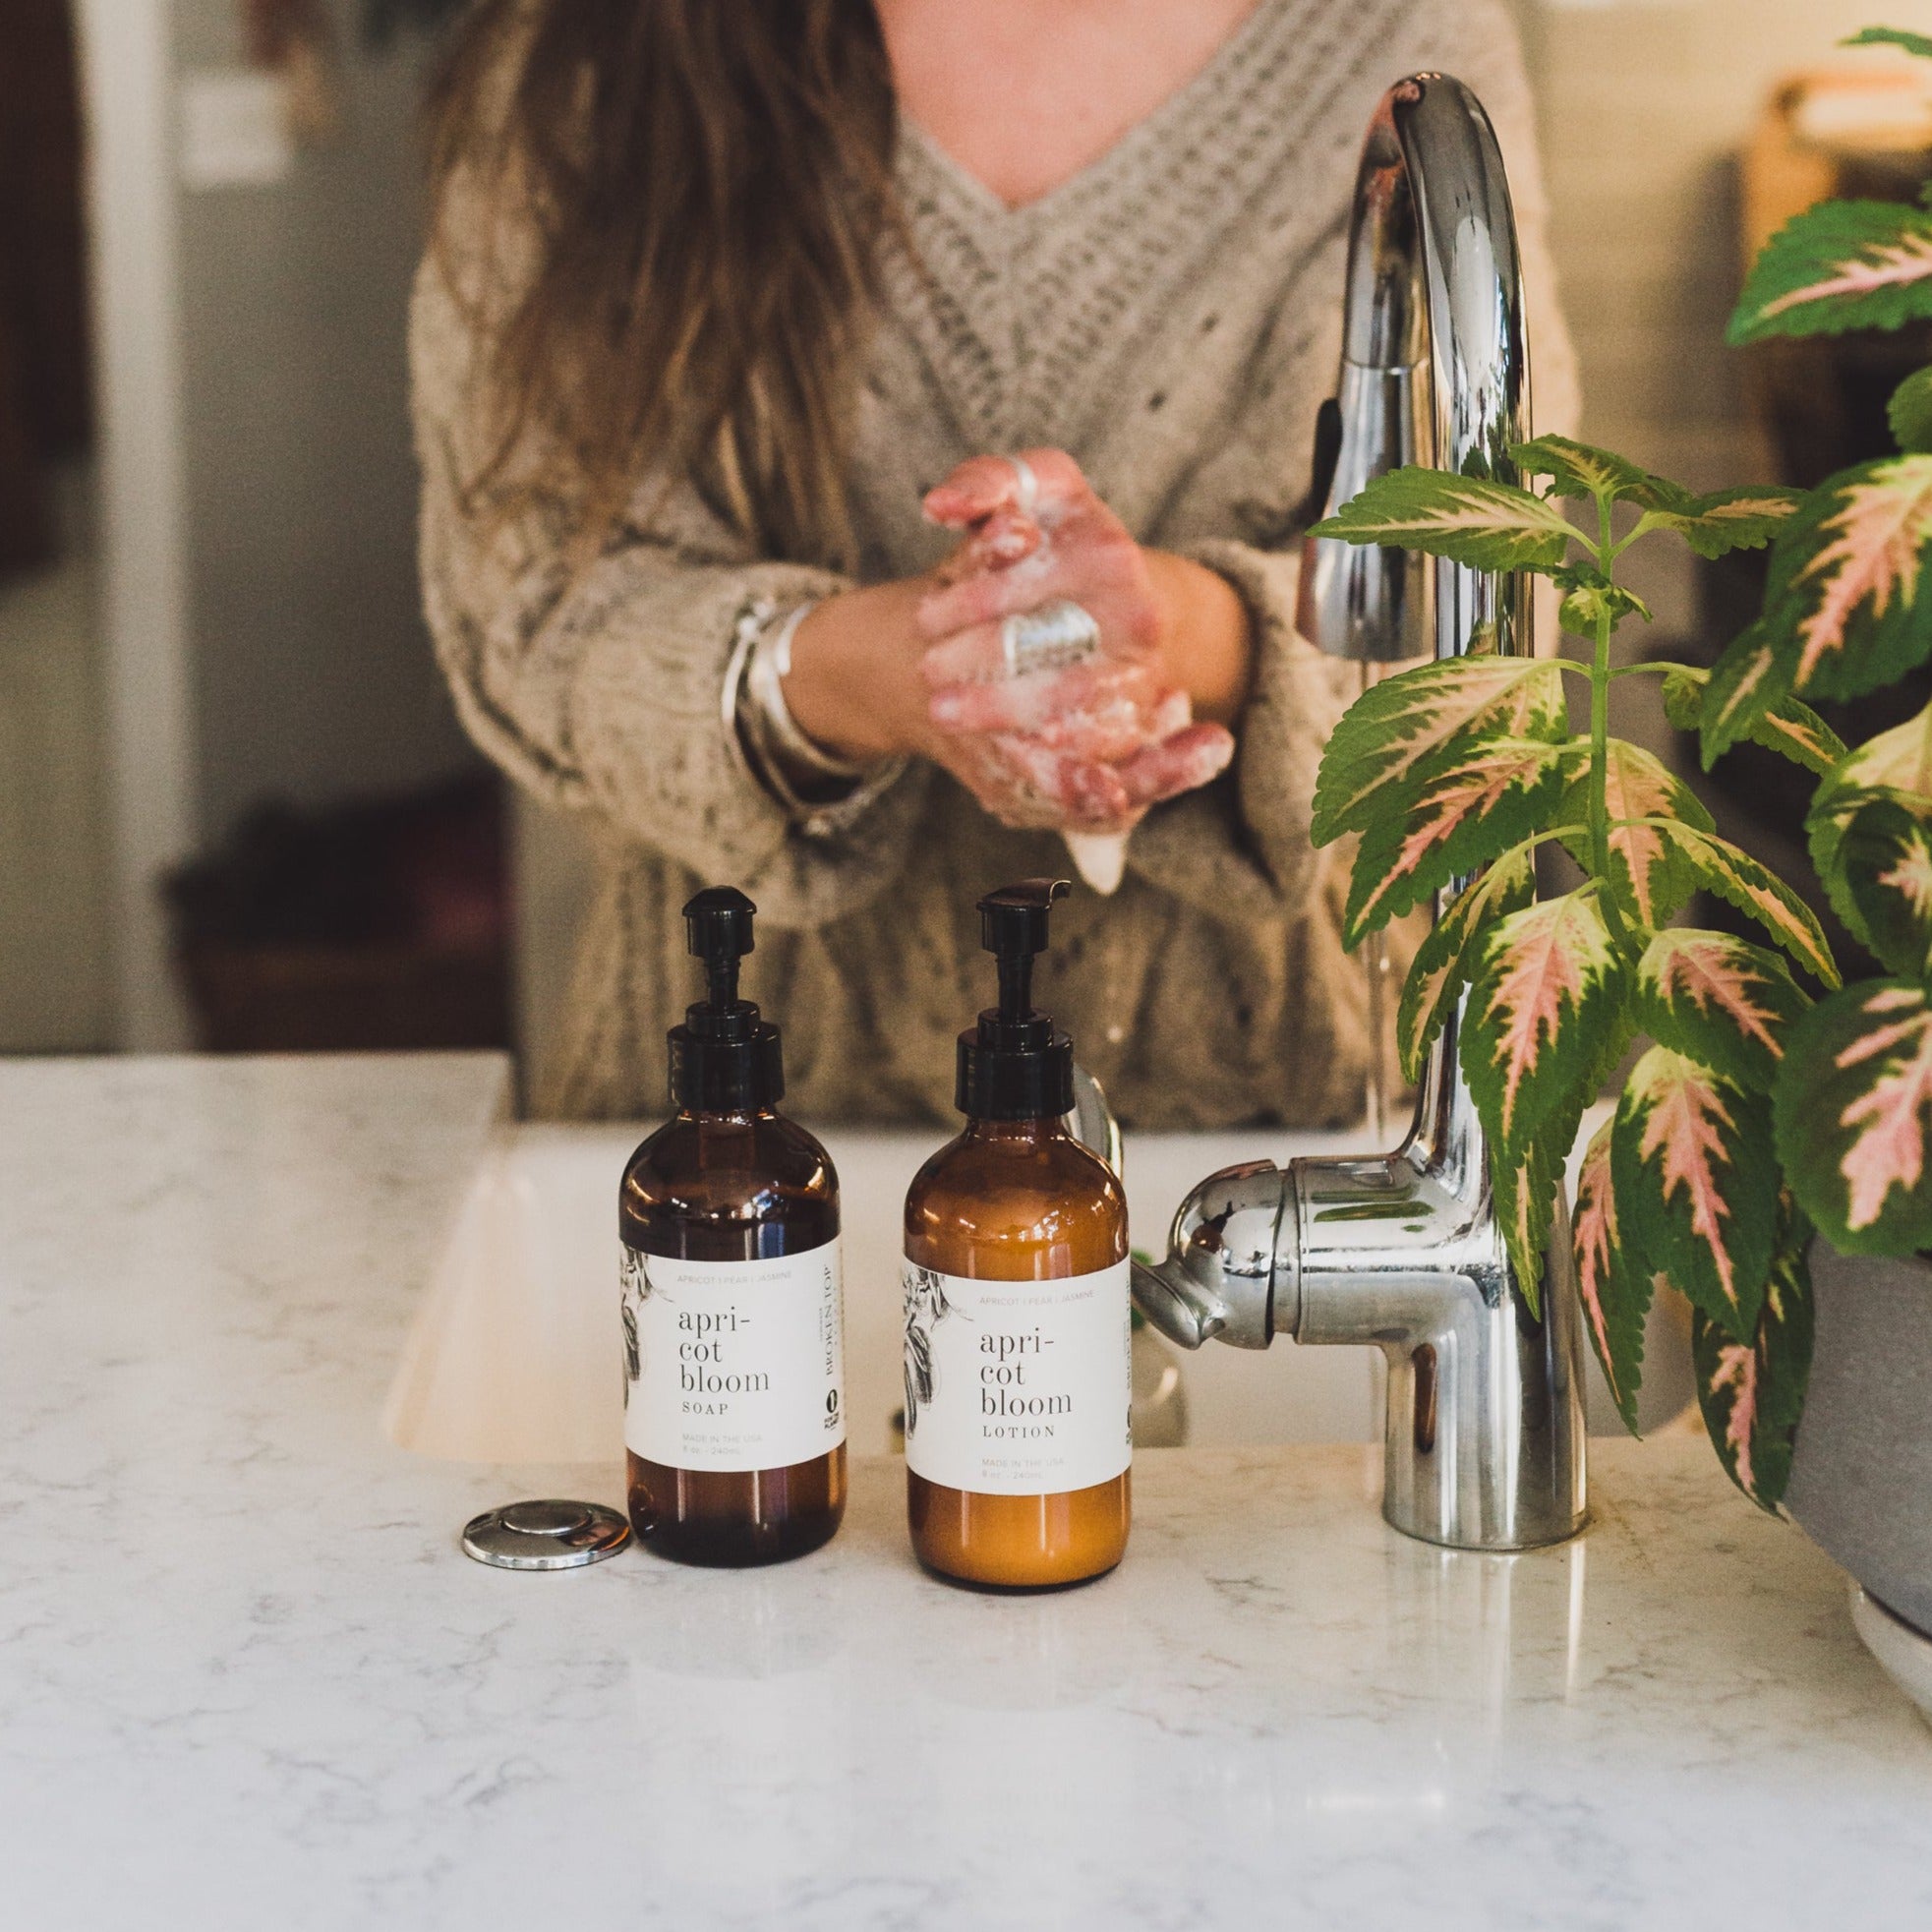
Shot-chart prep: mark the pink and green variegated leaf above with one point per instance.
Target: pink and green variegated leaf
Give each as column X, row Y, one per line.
column 1417, row 716
column 1738, row 879
column 1650, row 873
column 1789, row 726
column 1447, row 958
column 1897, row 763
column 1836, row 266
column 1910, row 412
column 1547, row 1003
column 1750, row 682
column 1885, row 859
column 1488, row 526
column 1843, row 610
column 1696, row 1182
column 1713, row 526
column 1720, row 1000
column 1852, row 1103
column 1751, row 1391
column 1463, row 811
column 1614, row 1285
column 1527, row 1190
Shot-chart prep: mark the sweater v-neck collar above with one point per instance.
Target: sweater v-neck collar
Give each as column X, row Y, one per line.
column 1148, row 131
column 1020, row 308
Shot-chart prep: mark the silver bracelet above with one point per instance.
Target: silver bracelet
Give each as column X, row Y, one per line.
column 780, row 734
column 807, row 783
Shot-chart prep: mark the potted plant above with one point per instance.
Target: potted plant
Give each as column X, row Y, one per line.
column 1773, row 1133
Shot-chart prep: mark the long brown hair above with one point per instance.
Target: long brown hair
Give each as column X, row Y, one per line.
column 707, row 179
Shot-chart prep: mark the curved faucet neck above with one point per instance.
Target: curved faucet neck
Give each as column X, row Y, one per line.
column 1483, row 1438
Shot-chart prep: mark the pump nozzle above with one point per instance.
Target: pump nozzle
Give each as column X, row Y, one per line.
column 1016, row 1065
column 718, row 931
column 723, row 1056
column 1013, row 929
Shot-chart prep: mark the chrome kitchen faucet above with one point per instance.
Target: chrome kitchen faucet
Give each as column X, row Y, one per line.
column 1485, row 1443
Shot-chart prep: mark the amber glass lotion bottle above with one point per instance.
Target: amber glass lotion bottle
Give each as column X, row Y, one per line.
column 1018, row 1379
column 735, row 1419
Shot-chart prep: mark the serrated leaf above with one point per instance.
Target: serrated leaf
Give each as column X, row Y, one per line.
column 1752, row 1392
column 1696, row 1183
column 1853, row 1101
column 1581, row 471
column 1650, row 873
column 1839, row 266
column 1842, row 608
column 1421, row 714
column 1910, row 412
column 1896, row 763
column 1890, row 36
column 1465, row 808
column 1790, row 727
column 1738, row 879
column 1749, row 682
column 1726, row 520
column 1547, row 1000
column 1485, row 525
column 1885, row 859
column 1720, row 1000
column 1589, row 604
column 1613, row 1285
column 1525, row 1190
column 1447, row 956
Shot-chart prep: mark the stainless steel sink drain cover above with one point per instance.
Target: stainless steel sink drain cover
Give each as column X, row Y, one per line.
column 551, row 1534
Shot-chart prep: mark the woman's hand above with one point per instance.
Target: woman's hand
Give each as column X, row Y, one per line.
column 1089, row 749
column 1092, row 746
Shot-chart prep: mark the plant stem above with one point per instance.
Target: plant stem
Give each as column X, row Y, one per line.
column 1600, row 690
column 1600, row 751
column 1600, row 682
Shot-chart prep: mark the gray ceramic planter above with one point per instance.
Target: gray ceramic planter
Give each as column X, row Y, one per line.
column 1862, row 1476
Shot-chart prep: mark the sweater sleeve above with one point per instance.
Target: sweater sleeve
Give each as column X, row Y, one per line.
column 596, row 682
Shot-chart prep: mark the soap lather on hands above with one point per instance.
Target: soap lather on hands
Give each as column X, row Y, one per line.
column 1087, row 748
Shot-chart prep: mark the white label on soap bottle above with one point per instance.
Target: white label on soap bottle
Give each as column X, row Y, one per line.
column 733, row 1365
column 1017, row 1387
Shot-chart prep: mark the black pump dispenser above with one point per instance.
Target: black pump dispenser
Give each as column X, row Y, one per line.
column 1016, row 1064
column 724, row 1058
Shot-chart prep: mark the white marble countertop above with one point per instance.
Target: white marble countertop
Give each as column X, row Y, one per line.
column 245, row 1678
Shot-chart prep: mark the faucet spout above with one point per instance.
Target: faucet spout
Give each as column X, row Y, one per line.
column 1484, row 1434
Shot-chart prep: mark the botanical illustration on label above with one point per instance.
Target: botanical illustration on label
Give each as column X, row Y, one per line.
column 1017, row 1387
column 733, row 1366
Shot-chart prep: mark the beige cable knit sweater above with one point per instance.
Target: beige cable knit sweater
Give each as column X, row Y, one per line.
column 1171, row 317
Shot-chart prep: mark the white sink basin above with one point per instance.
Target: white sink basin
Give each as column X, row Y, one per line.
column 515, row 1356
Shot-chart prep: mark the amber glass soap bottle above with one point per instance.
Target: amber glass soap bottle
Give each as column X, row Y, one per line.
column 735, row 1417
column 1018, row 1436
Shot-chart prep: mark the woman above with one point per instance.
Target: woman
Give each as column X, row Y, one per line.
column 862, row 445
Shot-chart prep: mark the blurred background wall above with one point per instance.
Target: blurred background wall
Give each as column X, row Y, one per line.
column 312, row 671
column 233, row 618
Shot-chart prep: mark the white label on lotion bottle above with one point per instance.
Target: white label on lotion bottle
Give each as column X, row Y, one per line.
column 1017, row 1387
column 733, row 1365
